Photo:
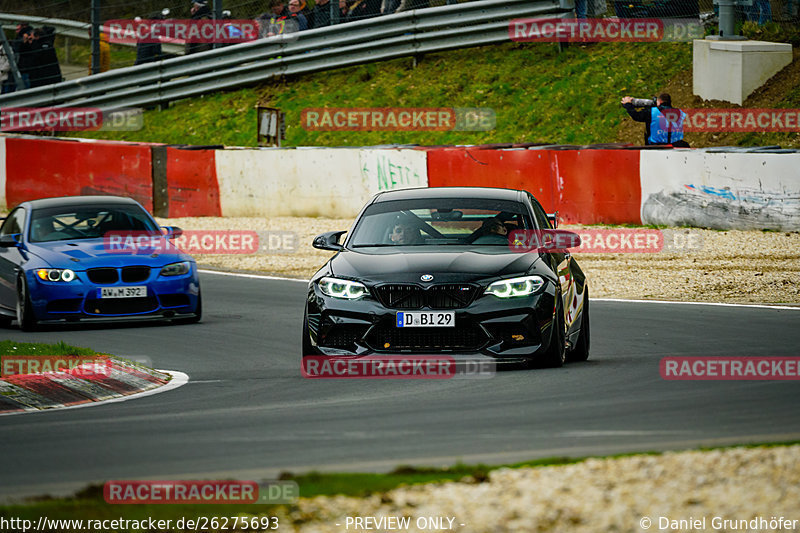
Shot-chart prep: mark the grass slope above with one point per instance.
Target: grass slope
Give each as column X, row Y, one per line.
column 538, row 94
column 9, row 347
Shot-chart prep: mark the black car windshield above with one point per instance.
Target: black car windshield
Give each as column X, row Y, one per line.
column 440, row 222
column 87, row 222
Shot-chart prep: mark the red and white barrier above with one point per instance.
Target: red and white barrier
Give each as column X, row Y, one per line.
column 584, row 186
column 589, row 186
column 42, row 168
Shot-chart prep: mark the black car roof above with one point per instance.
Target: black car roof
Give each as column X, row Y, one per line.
column 69, row 201
column 450, row 192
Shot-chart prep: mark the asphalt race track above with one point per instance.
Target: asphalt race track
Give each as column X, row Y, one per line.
column 248, row 414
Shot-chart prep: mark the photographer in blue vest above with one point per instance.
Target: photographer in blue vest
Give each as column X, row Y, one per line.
column 663, row 123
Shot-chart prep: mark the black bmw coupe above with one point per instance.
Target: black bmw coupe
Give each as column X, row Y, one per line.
column 430, row 271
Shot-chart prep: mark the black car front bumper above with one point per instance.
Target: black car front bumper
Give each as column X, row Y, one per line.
column 504, row 329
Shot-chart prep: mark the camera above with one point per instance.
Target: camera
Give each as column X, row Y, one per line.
column 645, row 102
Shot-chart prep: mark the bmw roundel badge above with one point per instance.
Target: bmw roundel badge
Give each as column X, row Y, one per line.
column 426, row 277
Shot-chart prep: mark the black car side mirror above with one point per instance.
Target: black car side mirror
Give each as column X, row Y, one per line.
column 553, row 218
column 10, row 240
column 173, row 231
column 329, row 241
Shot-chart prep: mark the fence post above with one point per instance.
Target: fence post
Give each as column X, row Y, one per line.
column 95, row 36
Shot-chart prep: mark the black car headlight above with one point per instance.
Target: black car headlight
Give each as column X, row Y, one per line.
column 342, row 288
column 176, row 269
column 55, row 274
column 510, row 288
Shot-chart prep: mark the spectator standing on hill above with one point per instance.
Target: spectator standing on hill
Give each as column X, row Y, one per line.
column 364, row 9
column 200, row 11
column 149, row 52
column 279, row 9
column 5, row 71
column 344, row 9
column 760, row 11
column 390, row 6
column 663, row 123
column 105, row 53
column 232, row 31
column 24, row 48
column 321, row 14
column 408, row 5
column 790, row 9
column 274, row 23
column 295, row 13
column 46, row 69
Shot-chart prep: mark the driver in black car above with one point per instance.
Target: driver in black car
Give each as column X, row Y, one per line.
column 493, row 231
column 404, row 233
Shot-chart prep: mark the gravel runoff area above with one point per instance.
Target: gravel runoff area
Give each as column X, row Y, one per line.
column 628, row 494
column 720, row 266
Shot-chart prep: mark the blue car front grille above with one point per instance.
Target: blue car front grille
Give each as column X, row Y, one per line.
column 109, row 275
column 120, row 306
column 134, row 274
column 103, row 276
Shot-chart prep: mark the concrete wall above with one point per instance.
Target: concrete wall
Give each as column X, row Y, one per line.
column 721, row 190
column 312, row 182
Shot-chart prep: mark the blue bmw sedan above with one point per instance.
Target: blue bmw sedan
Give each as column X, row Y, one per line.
column 58, row 264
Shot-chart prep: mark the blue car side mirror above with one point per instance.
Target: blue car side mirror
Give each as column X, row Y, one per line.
column 173, row 231
column 10, row 240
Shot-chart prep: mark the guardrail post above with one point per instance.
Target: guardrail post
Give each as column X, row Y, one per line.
column 217, row 15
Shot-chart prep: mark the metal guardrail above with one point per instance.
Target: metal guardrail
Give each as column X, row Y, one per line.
column 430, row 30
column 67, row 28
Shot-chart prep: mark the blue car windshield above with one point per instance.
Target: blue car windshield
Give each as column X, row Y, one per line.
column 440, row 222
column 88, row 222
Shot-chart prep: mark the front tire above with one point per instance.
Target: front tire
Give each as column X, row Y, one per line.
column 307, row 348
column 581, row 351
column 25, row 317
column 555, row 355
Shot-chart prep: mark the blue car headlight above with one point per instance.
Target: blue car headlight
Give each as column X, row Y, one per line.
column 55, row 274
column 176, row 269
column 342, row 288
column 510, row 288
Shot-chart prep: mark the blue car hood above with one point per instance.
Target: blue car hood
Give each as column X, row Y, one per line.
column 91, row 253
